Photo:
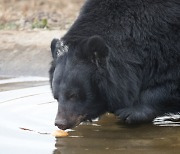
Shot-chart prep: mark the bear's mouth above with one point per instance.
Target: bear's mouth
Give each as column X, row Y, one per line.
column 81, row 119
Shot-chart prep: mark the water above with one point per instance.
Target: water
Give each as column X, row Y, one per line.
column 27, row 112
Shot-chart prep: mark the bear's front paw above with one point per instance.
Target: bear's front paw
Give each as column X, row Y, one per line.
column 133, row 116
column 126, row 115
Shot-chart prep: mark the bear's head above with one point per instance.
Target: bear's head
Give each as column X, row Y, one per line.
column 75, row 77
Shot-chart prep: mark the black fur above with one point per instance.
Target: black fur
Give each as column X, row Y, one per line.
column 122, row 56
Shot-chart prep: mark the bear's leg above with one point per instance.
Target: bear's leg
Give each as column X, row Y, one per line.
column 152, row 102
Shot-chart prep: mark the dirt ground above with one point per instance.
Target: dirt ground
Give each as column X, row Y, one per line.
column 24, row 49
column 27, row 14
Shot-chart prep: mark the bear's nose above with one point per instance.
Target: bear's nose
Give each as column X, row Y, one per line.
column 61, row 124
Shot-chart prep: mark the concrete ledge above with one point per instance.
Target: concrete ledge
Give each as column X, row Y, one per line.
column 26, row 53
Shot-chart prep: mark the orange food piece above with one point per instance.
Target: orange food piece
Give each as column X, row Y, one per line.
column 60, row 133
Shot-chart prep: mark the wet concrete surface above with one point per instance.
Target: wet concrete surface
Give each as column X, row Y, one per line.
column 27, row 112
column 21, row 82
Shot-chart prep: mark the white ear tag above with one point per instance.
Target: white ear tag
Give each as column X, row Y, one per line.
column 96, row 59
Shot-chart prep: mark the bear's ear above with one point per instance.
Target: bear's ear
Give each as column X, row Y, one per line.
column 54, row 48
column 97, row 49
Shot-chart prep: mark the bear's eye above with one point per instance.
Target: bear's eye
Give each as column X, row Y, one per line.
column 72, row 96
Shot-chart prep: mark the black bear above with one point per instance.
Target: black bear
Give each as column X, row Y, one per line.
column 119, row 56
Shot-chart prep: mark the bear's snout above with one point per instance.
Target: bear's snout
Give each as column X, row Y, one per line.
column 64, row 123
column 68, row 121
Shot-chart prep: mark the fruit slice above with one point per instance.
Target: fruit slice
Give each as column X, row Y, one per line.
column 60, row 133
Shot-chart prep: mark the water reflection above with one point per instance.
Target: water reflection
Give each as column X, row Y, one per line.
column 27, row 120
column 111, row 137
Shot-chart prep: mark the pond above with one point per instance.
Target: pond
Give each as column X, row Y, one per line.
column 27, row 113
